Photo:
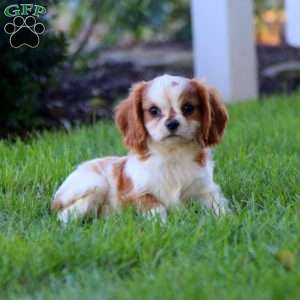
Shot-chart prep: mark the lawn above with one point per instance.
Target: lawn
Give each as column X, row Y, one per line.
column 252, row 253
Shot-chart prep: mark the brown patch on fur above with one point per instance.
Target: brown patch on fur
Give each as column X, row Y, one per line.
column 124, row 183
column 130, row 119
column 147, row 202
column 174, row 83
column 201, row 157
column 213, row 115
column 190, row 96
column 125, row 190
column 96, row 167
column 56, row 204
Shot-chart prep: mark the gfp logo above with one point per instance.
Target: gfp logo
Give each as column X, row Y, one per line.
column 24, row 30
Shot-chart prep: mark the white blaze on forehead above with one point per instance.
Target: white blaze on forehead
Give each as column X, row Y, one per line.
column 165, row 90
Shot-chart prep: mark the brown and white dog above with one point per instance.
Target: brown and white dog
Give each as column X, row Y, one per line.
column 169, row 125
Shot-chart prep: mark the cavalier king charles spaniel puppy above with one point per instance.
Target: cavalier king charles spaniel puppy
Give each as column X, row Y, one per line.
column 169, row 125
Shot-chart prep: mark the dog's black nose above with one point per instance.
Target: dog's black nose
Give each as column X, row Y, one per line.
column 172, row 125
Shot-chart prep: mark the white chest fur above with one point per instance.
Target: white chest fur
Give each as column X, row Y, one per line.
column 171, row 175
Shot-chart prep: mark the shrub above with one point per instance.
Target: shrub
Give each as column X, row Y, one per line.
column 26, row 72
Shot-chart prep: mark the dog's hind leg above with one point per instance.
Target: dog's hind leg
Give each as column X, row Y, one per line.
column 82, row 193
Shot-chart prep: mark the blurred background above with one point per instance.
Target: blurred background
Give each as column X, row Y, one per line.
column 93, row 51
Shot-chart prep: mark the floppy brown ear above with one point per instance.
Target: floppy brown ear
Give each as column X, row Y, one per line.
column 219, row 118
column 129, row 118
column 213, row 116
column 205, row 110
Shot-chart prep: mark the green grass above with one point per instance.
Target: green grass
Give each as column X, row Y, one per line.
column 193, row 256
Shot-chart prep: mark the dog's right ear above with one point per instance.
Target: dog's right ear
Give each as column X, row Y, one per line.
column 129, row 118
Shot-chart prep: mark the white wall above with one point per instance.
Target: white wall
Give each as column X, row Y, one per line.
column 292, row 8
column 224, row 47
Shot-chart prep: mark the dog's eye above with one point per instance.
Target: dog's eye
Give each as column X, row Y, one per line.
column 187, row 109
column 154, row 111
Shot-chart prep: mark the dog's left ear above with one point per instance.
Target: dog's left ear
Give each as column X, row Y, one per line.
column 129, row 118
column 214, row 116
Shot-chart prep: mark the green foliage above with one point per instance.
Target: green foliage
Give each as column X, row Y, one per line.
column 143, row 19
column 261, row 5
column 251, row 254
column 26, row 72
column 134, row 15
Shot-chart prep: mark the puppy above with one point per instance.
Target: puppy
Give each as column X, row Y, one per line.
column 169, row 125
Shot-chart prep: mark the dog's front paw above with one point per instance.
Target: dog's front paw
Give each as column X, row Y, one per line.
column 158, row 211
column 221, row 209
column 216, row 202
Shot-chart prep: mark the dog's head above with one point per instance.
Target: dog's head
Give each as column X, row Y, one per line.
column 171, row 109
